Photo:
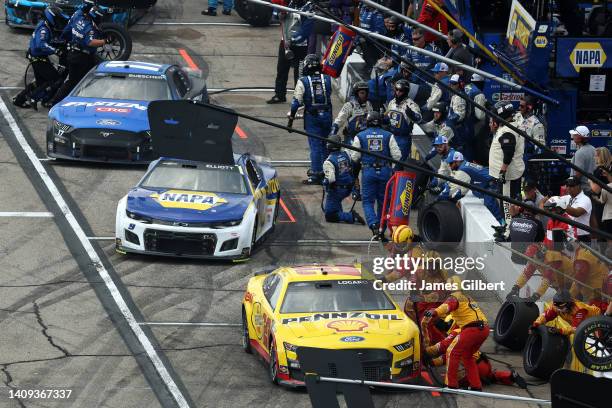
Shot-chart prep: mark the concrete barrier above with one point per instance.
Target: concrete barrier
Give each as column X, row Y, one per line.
column 478, row 241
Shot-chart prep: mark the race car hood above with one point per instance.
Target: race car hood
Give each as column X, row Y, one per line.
column 384, row 323
column 187, row 206
column 98, row 113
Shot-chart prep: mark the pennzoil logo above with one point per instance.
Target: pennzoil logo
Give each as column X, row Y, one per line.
column 340, row 315
column 347, row 325
column 336, row 50
column 193, row 200
column 406, row 198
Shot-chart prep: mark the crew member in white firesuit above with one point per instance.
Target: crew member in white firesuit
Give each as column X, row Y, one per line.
column 439, row 126
column 458, row 120
column 440, row 147
column 527, row 121
column 476, row 118
column 440, row 72
column 402, row 113
column 353, row 113
column 506, row 155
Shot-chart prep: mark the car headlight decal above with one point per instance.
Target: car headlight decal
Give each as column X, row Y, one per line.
column 404, row 346
column 138, row 217
column 59, row 129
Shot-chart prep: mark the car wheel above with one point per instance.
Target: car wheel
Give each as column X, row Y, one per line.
column 254, row 236
column 120, row 45
column 273, row 363
column 593, row 343
column 544, row 353
column 275, row 216
column 256, row 15
column 246, row 339
column 512, row 324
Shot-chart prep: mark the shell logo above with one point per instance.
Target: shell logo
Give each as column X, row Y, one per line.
column 194, row 200
column 347, row 325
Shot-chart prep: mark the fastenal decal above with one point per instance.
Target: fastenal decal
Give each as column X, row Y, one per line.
column 340, row 315
column 107, row 104
column 108, row 122
column 188, row 199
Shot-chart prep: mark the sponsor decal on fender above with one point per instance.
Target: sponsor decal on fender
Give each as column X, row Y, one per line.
column 193, row 200
column 107, row 104
column 341, row 315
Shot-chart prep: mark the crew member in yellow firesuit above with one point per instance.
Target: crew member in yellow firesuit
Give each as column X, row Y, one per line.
column 429, row 270
column 474, row 330
column 592, row 276
column 572, row 311
column 488, row 375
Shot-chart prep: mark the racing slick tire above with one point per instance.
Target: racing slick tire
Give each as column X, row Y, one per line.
column 593, row 343
column 544, row 353
column 512, row 324
column 441, row 225
column 273, row 363
column 254, row 14
column 120, row 47
column 246, row 339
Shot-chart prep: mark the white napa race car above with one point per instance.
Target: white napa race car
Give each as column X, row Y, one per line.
column 218, row 207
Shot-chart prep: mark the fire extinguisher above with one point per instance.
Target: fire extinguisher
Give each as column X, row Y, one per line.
column 338, row 49
column 398, row 199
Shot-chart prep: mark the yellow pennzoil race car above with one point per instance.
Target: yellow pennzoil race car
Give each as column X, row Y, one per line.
column 330, row 307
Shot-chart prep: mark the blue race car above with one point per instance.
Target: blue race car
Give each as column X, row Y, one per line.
column 27, row 14
column 104, row 119
column 200, row 200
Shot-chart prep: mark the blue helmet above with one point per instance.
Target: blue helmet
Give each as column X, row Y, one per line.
column 55, row 17
column 439, row 140
column 456, row 156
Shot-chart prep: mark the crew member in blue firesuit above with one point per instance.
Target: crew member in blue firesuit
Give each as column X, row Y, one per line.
column 354, row 113
column 373, row 20
column 314, row 92
column 339, row 182
column 402, row 113
column 375, row 172
column 477, row 118
column 399, row 32
column 40, row 49
column 472, row 173
column 84, row 38
column 425, row 62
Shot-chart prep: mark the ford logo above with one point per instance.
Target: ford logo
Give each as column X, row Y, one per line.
column 352, row 339
column 105, row 134
column 108, row 122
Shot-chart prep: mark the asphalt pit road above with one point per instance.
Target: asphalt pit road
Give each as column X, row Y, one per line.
column 181, row 33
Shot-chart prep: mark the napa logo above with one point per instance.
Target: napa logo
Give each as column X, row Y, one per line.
column 587, row 55
column 193, row 200
column 406, row 198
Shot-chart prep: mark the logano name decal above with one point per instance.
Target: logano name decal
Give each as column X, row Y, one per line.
column 340, row 315
column 193, row 200
column 107, row 104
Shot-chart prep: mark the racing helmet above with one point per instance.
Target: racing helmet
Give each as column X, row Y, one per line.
column 373, row 119
column 312, row 64
column 333, row 147
column 55, row 17
column 360, row 86
column 441, row 107
column 96, row 14
column 563, row 299
column 87, row 5
column 402, row 85
column 402, row 234
column 394, row 20
column 505, row 110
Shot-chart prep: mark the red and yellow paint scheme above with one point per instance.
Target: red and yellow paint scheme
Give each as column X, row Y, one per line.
column 331, row 307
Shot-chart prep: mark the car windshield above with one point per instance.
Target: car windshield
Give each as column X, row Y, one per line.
column 131, row 87
column 334, row 296
column 196, row 177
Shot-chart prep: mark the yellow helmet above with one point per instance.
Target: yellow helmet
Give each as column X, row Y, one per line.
column 402, row 234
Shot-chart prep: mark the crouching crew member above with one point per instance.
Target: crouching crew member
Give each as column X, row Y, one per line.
column 572, row 311
column 472, row 322
column 339, row 183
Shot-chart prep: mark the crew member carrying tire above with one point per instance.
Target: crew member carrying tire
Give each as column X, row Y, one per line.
column 570, row 310
column 488, row 375
column 40, row 49
column 472, row 322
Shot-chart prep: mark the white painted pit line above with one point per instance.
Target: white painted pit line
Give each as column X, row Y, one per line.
column 26, row 214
